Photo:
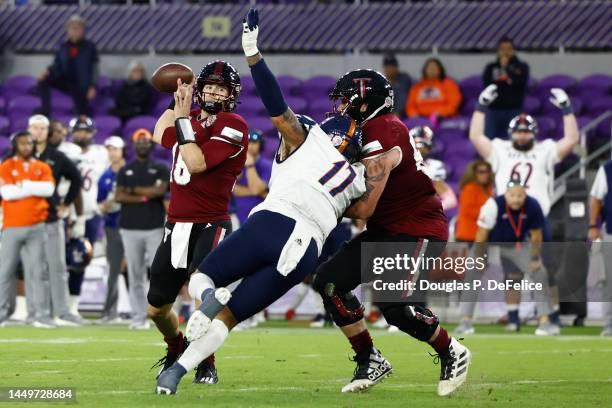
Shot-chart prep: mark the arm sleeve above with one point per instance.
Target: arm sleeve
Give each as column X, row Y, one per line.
column 488, row 215
column 72, row 174
column 600, row 185
column 12, row 192
column 380, row 139
column 229, row 138
column 38, row 188
column 169, row 137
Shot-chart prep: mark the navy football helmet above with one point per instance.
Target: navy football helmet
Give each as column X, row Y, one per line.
column 345, row 135
column 423, row 136
column 220, row 73
column 523, row 123
column 362, row 86
column 79, row 253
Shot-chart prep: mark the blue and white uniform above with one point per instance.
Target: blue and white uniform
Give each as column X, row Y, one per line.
column 279, row 244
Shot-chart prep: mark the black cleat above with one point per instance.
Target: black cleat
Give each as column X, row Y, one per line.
column 206, row 373
column 371, row 369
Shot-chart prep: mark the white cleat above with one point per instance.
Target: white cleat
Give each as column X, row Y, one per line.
column 199, row 323
column 163, row 391
column 454, row 368
column 369, row 372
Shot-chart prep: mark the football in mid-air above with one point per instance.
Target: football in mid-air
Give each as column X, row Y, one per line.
column 165, row 77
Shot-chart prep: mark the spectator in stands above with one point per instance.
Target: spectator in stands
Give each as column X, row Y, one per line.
column 435, row 95
column 141, row 186
column 59, row 207
column 510, row 75
column 400, row 81
column 601, row 205
column 73, row 69
column 25, row 185
column 135, row 96
column 475, row 188
column 252, row 186
column 109, row 207
column 423, row 139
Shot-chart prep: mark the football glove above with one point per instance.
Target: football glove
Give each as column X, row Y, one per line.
column 488, row 95
column 250, row 30
column 560, row 99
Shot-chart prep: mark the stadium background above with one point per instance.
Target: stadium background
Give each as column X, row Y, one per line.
column 309, row 44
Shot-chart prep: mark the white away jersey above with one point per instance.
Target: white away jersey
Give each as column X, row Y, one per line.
column 435, row 169
column 314, row 184
column 92, row 164
column 535, row 167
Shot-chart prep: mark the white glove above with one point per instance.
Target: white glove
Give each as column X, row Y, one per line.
column 78, row 228
column 250, row 30
column 560, row 99
column 488, row 95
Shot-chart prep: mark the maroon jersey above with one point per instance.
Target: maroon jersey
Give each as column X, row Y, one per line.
column 204, row 197
column 409, row 204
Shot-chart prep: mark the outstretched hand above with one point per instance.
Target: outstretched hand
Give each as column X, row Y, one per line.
column 250, row 30
column 182, row 99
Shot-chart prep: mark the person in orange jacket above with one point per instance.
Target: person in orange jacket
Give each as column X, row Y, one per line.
column 25, row 183
column 435, row 94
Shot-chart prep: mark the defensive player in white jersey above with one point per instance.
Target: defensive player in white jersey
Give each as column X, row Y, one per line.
column 424, row 140
column 532, row 162
column 523, row 156
column 91, row 162
column 313, row 184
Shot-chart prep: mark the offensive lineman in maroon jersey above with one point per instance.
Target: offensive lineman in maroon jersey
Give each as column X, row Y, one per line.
column 409, row 212
column 202, row 177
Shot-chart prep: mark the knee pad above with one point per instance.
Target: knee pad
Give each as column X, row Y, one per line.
column 344, row 308
column 413, row 319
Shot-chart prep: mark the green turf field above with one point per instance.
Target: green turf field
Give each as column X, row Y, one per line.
column 280, row 366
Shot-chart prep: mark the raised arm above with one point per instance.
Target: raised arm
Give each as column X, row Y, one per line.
column 269, row 91
column 377, row 174
column 480, row 141
column 571, row 135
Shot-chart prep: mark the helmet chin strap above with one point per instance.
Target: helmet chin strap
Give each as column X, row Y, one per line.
column 381, row 107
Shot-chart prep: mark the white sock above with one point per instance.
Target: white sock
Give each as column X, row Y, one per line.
column 198, row 283
column 73, row 304
column 300, row 293
column 21, row 309
column 204, row 346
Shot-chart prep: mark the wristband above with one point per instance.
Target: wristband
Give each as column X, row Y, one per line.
column 250, row 166
column 479, row 107
column 567, row 110
column 172, row 104
column 184, row 131
column 593, row 226
column 535, row 257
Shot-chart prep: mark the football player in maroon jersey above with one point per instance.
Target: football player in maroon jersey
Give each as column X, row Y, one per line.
column 209, row 148
column 408, row 211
